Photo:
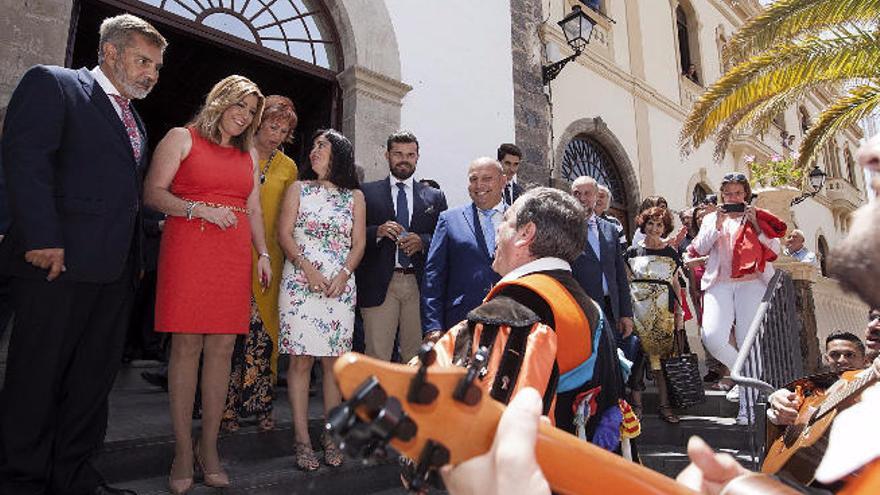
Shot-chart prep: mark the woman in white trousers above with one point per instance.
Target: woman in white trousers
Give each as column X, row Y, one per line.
column 730, row 301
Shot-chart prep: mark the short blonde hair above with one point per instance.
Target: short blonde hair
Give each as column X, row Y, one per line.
column 223, row 95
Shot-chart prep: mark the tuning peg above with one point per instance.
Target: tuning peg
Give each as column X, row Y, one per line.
column 392, row 421
column 433, row 456
column 420, row 390
column 466, row 391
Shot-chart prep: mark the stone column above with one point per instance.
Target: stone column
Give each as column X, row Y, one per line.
column 371, row 112
column 531, row 110
column 804, row 276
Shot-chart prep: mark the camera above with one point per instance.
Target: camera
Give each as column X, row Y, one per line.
column 733, row 207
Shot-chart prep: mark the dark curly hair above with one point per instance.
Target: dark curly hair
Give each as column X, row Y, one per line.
column 656, row 213
column 342, row 170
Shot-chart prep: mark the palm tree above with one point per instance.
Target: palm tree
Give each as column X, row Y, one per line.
column 792, row 48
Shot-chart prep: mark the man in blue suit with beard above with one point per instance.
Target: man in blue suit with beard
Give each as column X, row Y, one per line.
column 458, row 271
column 401, row 216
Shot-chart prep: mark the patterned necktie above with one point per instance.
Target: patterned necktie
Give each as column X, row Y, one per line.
column 403, row 220
column 488, row 230
column 130, row 126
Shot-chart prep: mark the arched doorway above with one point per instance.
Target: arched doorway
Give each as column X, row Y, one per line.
column 287, row 47
column 584, row 155
column 822, row 245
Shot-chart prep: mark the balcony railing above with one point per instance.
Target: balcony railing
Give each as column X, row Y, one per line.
column 690, row 92
column 842, row 194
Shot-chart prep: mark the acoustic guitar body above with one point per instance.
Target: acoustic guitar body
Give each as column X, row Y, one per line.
column 798, row 451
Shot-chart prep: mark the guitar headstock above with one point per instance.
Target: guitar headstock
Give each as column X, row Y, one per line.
column 380, row 395
column 438, row 415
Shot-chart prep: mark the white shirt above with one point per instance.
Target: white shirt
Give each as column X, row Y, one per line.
column 718, row 245
column 408, row 187
column 538, row 265
column 804, row 255
column 108, row 88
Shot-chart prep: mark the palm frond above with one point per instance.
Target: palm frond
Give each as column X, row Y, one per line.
column 788, row 20
column 851, row 54
column 848, row 111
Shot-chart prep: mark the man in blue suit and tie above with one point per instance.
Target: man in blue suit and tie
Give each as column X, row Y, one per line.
column 74, row 151
column 401, row 217
column 458, row 272
column 510, row 156
column 600, row 269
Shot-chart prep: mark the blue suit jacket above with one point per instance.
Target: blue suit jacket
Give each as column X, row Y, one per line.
column 458, row 272
column 587, row 270
column 71, row 176
column 377, row 266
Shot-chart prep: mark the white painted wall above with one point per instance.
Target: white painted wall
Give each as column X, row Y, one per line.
column 456, row 54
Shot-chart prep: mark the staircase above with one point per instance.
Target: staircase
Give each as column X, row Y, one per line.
column 663, row 446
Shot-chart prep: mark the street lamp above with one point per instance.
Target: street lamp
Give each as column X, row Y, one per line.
column 816, row 178
column 577, row 27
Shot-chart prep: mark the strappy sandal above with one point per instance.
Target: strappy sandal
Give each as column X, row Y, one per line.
column 266, row 424
column 332, row 454
column 305, row 457
column 667, row 415
column 229, row 426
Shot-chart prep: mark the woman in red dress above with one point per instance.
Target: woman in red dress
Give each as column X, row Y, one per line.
column 204, row 177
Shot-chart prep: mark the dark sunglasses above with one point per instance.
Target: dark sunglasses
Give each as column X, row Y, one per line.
column 734, row 177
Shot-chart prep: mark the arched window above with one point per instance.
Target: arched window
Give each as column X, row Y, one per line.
column 688, row 46
column 586, row 156
column 850, row 165
column 805, row 121
column 293, row 27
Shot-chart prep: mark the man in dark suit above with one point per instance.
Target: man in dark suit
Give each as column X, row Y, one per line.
column 600, row 269
column 401, row 217
column 73, row 156
column 458, row 272
column 509, row 155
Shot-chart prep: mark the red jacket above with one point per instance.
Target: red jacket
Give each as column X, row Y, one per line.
column 749, row 254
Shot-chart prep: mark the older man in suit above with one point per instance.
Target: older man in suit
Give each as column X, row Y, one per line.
column 73, row 156
column 401, row 217
column 600, row 268
column 458, row 272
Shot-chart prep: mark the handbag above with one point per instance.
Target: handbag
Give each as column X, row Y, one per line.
column 682, row 373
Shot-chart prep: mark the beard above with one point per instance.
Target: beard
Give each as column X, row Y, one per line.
column 855, row 262
column 137, row 89
column 403, row 173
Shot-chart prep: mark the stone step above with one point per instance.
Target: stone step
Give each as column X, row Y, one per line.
column 672, row 459
column 715, row 405
column 716, row 431
column 278, row 476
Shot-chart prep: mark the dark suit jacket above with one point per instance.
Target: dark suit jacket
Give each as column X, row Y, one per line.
column 517, row 192
column 587, row 270
column 72, row 177
column 377, row 266
column 458, row 271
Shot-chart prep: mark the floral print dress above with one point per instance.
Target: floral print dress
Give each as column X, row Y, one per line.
column 313, row 324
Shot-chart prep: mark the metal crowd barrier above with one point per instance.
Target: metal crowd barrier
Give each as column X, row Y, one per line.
column 770, row 356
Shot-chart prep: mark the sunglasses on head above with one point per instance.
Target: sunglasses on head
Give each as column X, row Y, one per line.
column 734, row 177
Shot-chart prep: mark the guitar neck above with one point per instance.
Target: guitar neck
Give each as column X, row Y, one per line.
column 845, row 392
column 575, row 467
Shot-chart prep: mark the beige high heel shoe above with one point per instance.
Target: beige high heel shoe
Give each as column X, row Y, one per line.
column 215, row 480
column 179, row 486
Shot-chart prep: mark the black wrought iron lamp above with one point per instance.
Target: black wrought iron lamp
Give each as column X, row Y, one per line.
column 578, row 27
column 816, row 178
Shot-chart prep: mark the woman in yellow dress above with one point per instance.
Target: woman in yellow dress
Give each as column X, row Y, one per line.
column 254, row 362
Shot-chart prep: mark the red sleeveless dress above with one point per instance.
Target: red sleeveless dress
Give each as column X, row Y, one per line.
column 204, row 278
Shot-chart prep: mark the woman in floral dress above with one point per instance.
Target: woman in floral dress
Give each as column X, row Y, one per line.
column 321, row 230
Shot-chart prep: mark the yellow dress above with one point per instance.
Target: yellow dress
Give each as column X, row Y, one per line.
column 280, row 174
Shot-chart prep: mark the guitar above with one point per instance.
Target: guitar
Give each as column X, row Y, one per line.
column 798, row 451
column 416, row 410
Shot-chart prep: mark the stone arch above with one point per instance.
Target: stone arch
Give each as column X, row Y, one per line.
column 698, row 180
column 372, row 90
column 597, row 130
